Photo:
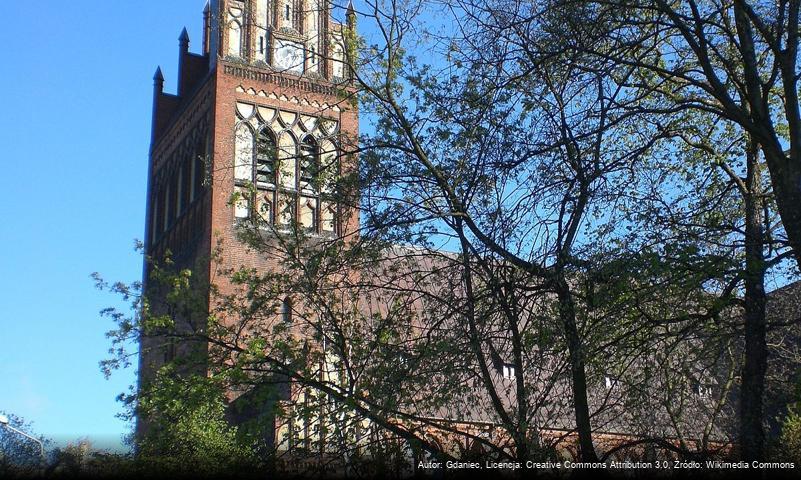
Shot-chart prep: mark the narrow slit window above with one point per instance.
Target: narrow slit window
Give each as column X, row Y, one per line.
column 162, row 200
column 198, row 170
column 168, row 206
column 199, row 176
column 186, row 184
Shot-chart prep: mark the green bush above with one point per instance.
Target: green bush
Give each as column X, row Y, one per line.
column 790, row 439
column 187, row 432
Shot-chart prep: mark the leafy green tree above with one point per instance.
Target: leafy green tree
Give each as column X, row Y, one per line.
column 736, row 60
column 686, row 79
column 527, row 162
column 187, row 432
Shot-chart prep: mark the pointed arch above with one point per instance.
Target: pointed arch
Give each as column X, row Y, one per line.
column 237, row 11
column 235, row 33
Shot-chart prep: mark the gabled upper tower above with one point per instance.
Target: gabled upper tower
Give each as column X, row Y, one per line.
column 288, row 35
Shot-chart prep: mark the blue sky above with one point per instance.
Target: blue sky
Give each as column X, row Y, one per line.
column 74, row 129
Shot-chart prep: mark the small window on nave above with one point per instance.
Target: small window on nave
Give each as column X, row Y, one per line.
column 286, row 310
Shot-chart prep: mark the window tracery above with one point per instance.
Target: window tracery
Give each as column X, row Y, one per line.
column 287, row 158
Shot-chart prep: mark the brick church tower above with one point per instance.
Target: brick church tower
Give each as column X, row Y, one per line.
column 263, row 107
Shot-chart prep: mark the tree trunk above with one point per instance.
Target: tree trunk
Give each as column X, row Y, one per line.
column 756, row 354
column 785, row 175
column 567, row 314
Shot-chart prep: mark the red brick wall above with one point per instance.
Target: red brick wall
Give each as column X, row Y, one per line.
column 226, row 96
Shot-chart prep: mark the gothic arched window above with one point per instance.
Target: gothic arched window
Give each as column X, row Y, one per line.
column 309, row 162
column 282, row 178
column 235, row 39
column 243, row 156
column 236, row 18
column 265, row 158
